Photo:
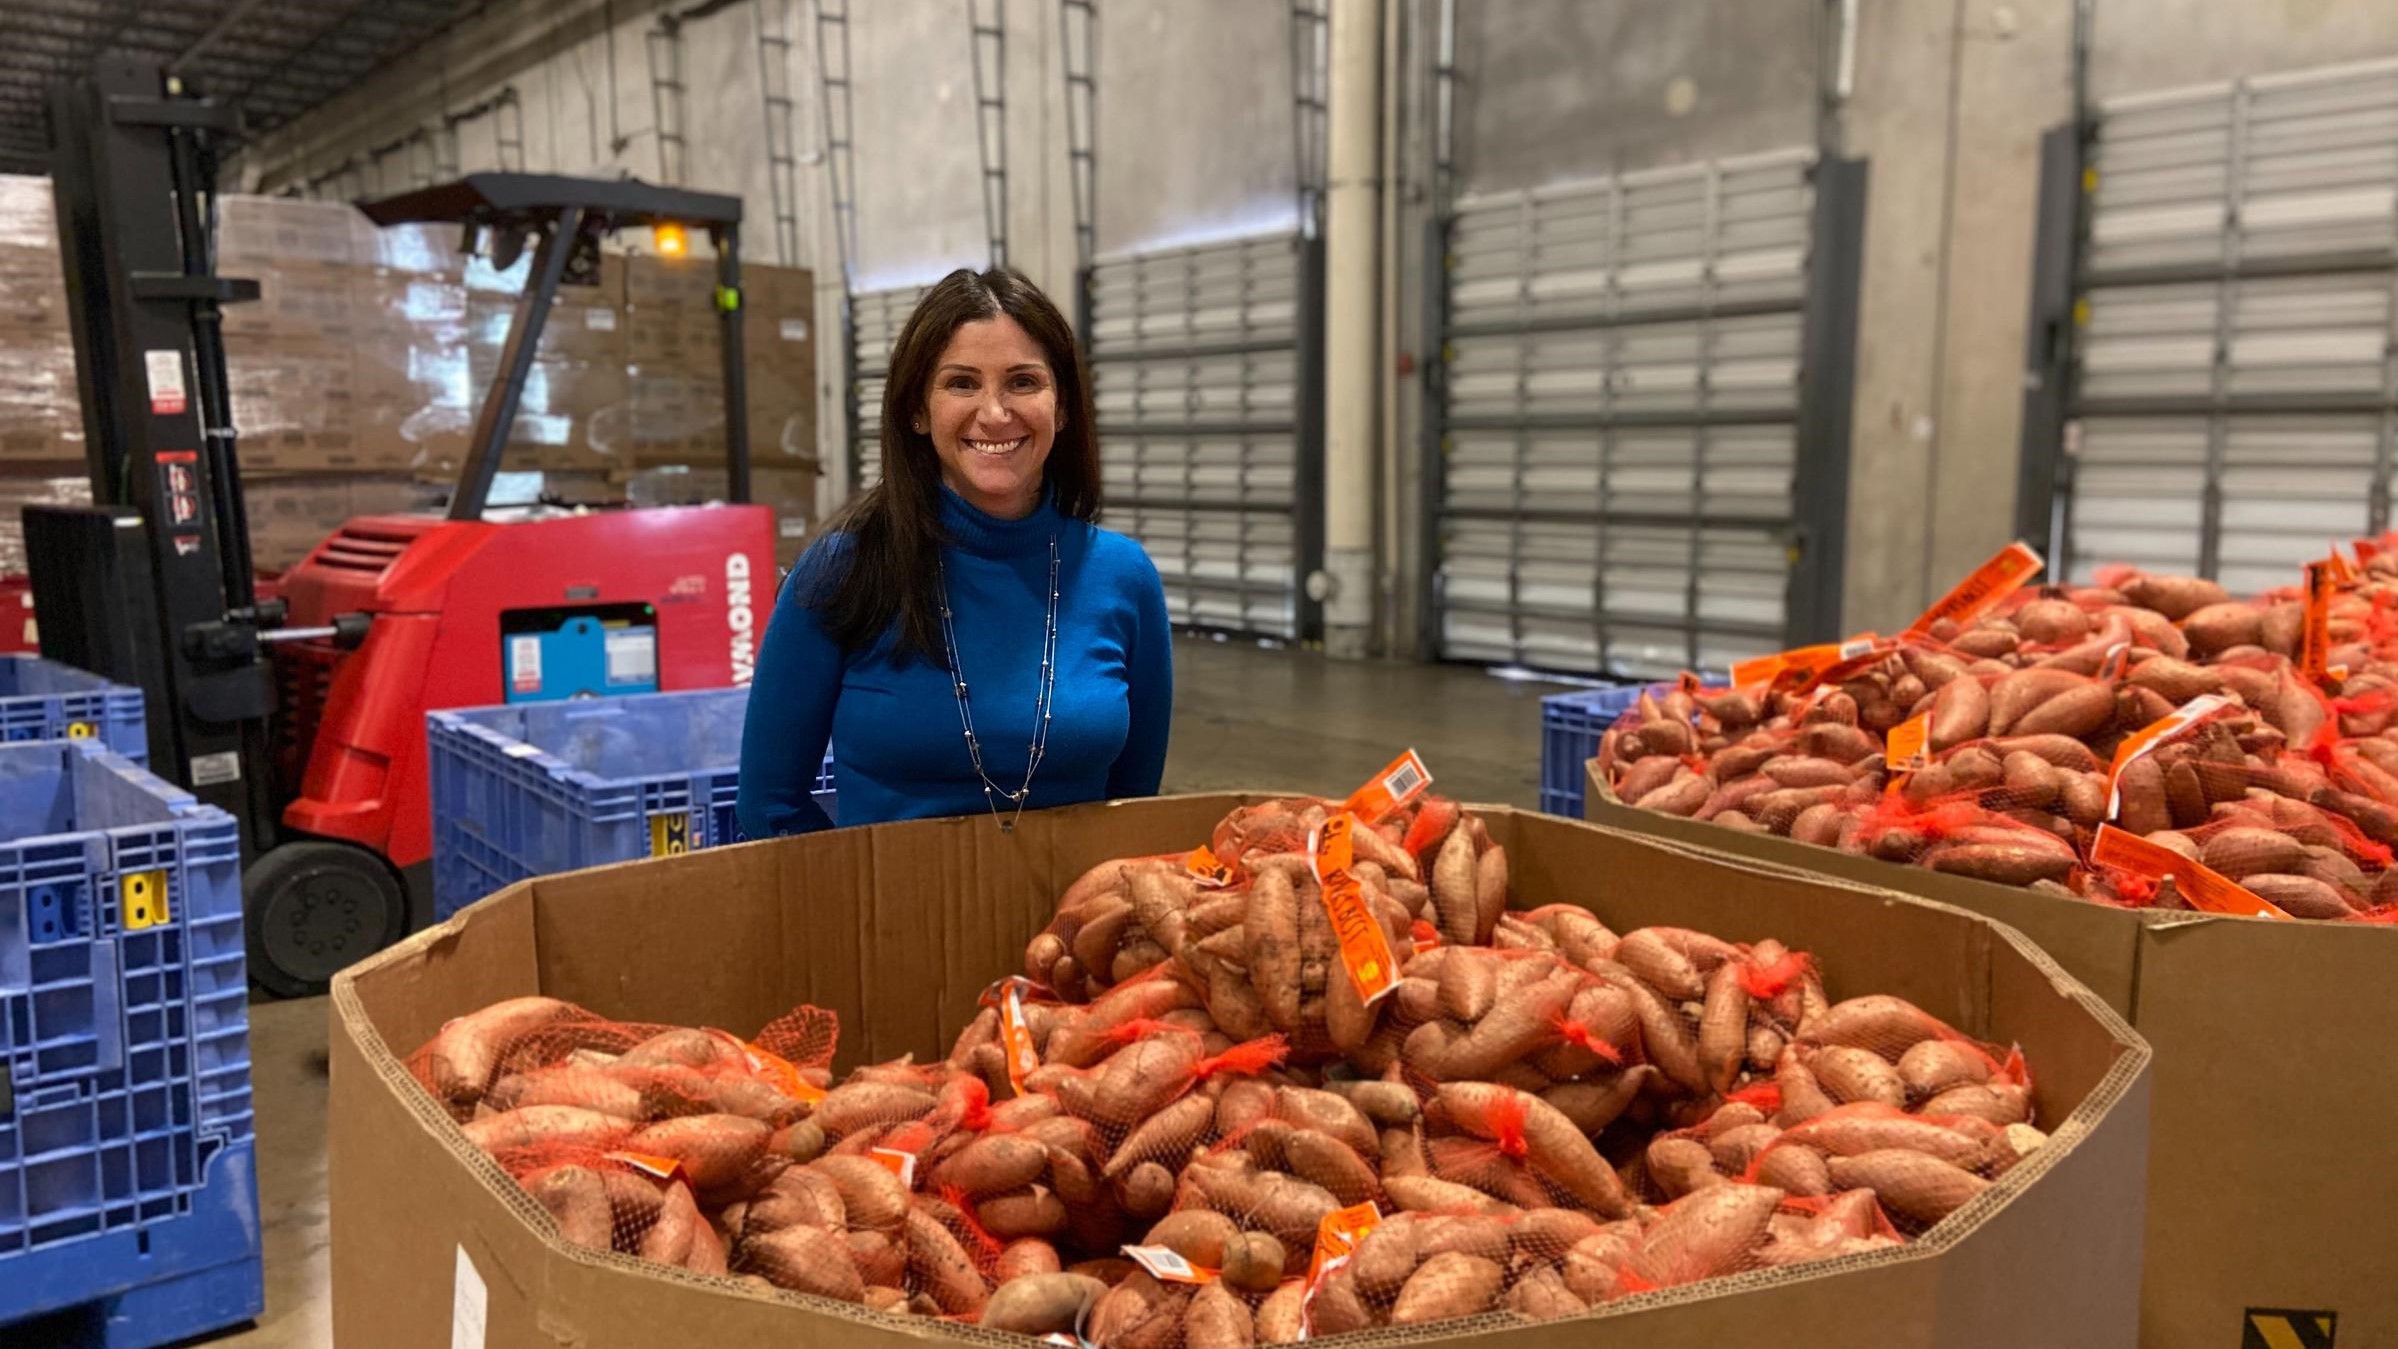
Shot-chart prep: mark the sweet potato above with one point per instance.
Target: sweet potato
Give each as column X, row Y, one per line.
column 1448, row 1285
column 1853, row 1131
column 1146, row 1190
column 576, row 1199
column 2299, row 896
column 1271, row 923
column 1645, row 776
column 1325, row 1161
column 718, row 1152
column 546, row 1128
column 1594, row 1265
column 1468, row 984
column 940, row 1265
column 1960, row 712
column 1797, row 1170
column 805, row 1260
column 1680, row 1165
column 1135, row 1081
column 1196, row 1234
column 1674, row 961
column 1734, row 1149
column 1908, row 1183
column 1216, row 1319
column 1593, row 1105
column 1281, row 1317
column 669, row 1238
column 1552, row 1145
column 1040, row 1304
column 1138, row 1313
column 871, row 1196
column 1253, row 1262
column 1023, row 1256
column 1723, row 1028
column 1976, row 1101
column 1682, row 796
column 1166, row 1137
column 1708, row 1233
column 1853, row 1075
column 459, row 1061
column 1540, row 1294
column 2009, row 863
column 1517, row 1023
column 1328, row 1112
column 1930, row 1067
column 1430, row 1194
column 1454, row 897
column 1035, row 1211
column 2176, row 597
column 2217, row 627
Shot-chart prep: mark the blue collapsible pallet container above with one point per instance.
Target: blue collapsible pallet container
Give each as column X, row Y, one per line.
column 532, row 789
column 1570, row 727
column 44, row 700
column 128, row 1184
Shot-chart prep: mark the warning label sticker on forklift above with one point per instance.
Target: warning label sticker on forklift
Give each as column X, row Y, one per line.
column 600, row 320
column 524, row 663
column 165, row 368
column 210, row 769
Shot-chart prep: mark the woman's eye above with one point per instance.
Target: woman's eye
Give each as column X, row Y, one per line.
column 961, row 385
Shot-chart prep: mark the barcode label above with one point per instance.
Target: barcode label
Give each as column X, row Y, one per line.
column 632, row 656
column 1401, row 783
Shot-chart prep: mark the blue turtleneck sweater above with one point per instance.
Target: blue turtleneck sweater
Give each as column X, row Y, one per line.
column 892, row 721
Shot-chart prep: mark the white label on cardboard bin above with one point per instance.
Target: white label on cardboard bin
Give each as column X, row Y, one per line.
column 165, row 368
column 795, row 330
column 524, row 663
column 470, row 1306
column 600, row 320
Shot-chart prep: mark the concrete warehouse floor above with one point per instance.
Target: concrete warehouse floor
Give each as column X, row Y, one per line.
column 1244, row 718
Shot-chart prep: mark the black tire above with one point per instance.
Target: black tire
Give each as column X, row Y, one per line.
column 313, row 908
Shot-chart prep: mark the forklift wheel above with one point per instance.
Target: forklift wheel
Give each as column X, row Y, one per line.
column 313, row 908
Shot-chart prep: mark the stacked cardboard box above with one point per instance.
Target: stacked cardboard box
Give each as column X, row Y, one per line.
column 357, row 375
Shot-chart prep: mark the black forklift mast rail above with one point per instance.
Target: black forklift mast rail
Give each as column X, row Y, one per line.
column 496, row 199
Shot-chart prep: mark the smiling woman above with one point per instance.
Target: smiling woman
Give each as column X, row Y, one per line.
column 963, row 636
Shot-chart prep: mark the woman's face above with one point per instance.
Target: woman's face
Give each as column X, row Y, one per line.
column 992, row 415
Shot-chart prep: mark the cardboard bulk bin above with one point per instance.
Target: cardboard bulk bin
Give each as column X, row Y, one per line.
column 2272, row 1201
column 899, row 928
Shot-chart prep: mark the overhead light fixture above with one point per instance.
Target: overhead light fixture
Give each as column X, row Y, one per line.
column 672, row 242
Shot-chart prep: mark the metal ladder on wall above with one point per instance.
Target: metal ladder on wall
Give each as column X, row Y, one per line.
column 1311, row 107
column 782, row 156
column 1078, row 39
column 840, row 161
column 663, row 46
column 989, row 37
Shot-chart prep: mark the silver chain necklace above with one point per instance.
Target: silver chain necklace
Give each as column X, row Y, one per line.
column 1042, row 706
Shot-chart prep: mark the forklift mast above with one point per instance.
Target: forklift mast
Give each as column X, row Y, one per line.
column 152, row 585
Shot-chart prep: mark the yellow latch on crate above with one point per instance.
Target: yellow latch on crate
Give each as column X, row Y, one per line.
column 142, row 899
column 669, row 835
column 81, row 730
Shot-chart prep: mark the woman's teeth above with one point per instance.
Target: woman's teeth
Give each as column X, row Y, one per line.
column 996, row 447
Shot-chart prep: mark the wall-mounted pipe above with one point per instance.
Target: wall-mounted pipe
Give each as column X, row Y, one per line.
column 1351, row 338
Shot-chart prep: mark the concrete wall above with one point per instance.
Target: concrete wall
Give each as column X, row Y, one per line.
column 1950, row 98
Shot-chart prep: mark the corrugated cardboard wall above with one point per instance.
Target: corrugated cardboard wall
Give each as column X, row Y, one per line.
column 357, row 375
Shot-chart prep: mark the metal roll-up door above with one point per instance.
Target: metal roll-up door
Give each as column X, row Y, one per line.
column 1203, row 367
column 1638, row 431
column 2224, row 325
column 875, row 318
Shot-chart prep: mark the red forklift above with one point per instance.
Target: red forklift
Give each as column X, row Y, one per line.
column 304, row 715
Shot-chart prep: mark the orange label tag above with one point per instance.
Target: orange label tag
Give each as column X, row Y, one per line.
column 655, row 1167
column 1016, row 1038
column 1365, row 950
column 1981, row 591
column 1907, row 749
column 2196, row 712
column 900, row 1164
column 1337, row 1237
column 1167, row 1264
column 2366, row 550
column 781, row 1074
column 1205, row 868
column 2314, row 651
column 1806, row 666
column 2207, row 890
column 1400, row 781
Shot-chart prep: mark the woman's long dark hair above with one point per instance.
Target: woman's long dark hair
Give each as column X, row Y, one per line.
column 894, row 526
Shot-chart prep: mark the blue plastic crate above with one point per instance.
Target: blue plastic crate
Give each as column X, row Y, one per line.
column 126, row 1185
column 44, row 700
column 1570, row 727
column 536, row 788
